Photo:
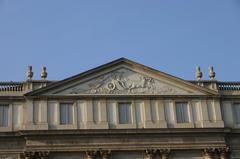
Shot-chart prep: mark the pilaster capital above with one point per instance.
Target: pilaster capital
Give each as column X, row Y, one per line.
column 91, row 154
column 105, row 154
column 164, row 153
column 208, row 153
column 27, row 155
column 222, row 152
column 43, row 154
column 35, row 155
column 149, row 154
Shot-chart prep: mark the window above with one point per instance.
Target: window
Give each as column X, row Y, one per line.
column 124, row 110
column 182, row 112
column 237, row 112
column 3, row 115
column 66, row 113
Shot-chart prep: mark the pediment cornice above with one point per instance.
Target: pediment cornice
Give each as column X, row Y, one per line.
column 123, row 77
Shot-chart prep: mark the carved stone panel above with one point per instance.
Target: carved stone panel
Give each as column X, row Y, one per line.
column 124, row 81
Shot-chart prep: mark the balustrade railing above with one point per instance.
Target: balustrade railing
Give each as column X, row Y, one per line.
column 229, row 85
column 11, row 87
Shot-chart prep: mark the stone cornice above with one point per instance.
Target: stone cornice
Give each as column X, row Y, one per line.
column 77, row 96
column 162, row 131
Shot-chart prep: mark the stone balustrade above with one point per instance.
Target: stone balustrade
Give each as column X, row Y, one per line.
column 229, row 85
column 11, row 87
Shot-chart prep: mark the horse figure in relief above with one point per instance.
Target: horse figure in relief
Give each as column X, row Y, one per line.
column 144, row 84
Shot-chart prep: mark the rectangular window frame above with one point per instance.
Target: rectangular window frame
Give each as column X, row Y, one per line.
column 4, row 113
column 236, row 112
column 128, row 114
column 185, row 116
column 69, row 118
column 9, row 126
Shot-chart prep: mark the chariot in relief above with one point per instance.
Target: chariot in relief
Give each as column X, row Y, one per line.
column 120, row 82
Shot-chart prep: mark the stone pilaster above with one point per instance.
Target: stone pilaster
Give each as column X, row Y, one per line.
column 91, row 154
column 223, row 152
column 164, row 153
column 149, row 154
column 105, row 154
column 208, row 153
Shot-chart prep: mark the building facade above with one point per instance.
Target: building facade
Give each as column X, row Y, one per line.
column 120, row 110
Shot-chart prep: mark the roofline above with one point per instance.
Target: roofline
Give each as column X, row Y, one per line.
column 107, row 65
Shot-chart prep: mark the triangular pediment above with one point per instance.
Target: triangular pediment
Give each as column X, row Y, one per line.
column 123, row 78
column 125, row 81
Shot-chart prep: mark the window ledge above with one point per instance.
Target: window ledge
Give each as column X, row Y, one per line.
column 159, row 124
column 126, row 126
column 5, row 129
column 208, row 124
column 58, row 127
column 92, row 125
column 183, row 125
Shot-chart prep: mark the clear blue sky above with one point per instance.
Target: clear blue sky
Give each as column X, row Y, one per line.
column 72, row 36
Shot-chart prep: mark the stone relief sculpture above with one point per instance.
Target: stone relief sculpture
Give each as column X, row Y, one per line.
column 124, row 81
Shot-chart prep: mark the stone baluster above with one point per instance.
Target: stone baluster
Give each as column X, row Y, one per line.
column 222, row 152
column 208, row 153
column 164, row 153
column 149, row 154
column 105, row 154
column 91, row 154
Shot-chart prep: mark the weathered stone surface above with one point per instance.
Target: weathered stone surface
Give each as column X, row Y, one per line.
column 37, row 125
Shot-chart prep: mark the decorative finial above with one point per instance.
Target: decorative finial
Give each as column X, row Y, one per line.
column 198, row 73
column 44, row 73
column 29, row 73
column 211, row 73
